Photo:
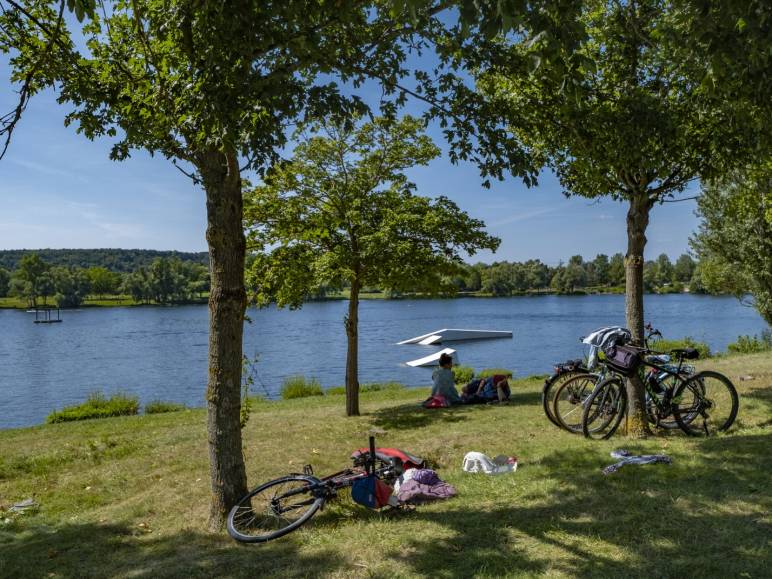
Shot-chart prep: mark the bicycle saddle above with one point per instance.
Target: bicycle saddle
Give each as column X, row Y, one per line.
column 686, row 353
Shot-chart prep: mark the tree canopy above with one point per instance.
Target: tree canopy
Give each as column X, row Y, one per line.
column 343, row 210
column 734, row 240
column 627, row 121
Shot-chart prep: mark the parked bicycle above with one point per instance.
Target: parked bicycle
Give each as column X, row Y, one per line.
column 562, row 374
column 700, row 404
column 662, row 379
column 280, row 506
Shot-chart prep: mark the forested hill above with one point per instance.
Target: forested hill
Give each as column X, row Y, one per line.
column 118, row 260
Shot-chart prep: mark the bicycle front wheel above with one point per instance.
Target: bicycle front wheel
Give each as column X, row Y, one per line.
column 274, row 509
column 705, row 404
column 604, row 409
column 569, row 401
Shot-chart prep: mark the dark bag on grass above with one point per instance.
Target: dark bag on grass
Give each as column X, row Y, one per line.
column 623, row 359
column 371, row 492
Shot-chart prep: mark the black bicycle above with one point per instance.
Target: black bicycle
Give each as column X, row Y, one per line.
column 571, row 395
column 562, row 373
column 282, row 505
column 700, row 404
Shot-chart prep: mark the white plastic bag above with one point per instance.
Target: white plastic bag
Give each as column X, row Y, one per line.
column 479, row 462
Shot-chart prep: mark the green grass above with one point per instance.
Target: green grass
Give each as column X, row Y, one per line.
column 300, row 387
column 462, row 374
column 687, row 342
column 159, row 407
column 751, row 344
column 92, row 301
column 380, row 386
column 128, row 496
column 97, row 406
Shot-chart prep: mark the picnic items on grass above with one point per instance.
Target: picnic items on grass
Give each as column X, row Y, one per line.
column 479, row 462
column 418, row 485
column 627, row 458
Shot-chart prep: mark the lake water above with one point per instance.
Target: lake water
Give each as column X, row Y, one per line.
column 161, row 352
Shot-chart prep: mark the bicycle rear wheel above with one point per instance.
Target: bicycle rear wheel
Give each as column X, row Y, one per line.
column 569, row 401
column 551, row 385
column 604, row 409
column 274, row 509
column 705, row 404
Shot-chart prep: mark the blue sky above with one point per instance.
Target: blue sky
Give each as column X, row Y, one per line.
column 60, row 190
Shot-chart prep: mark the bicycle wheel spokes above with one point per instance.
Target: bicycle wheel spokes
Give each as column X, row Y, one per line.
column 705, row 404
column 604, row 409
column 551, row 386
column 274, row 509
column 570, row 399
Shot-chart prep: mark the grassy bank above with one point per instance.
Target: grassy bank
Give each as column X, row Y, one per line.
column 96, row 302
column 128, row 496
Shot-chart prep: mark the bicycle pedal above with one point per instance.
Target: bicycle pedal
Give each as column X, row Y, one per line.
column 308, row 470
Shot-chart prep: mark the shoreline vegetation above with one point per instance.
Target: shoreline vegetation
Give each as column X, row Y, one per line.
column 108, row 301
column 117, row 495
column 110, row 278
column 98, row 405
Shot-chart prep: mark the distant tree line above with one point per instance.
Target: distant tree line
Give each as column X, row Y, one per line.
column 171, row 279
column 165, row 280
column 117, row 260
column 602, row 273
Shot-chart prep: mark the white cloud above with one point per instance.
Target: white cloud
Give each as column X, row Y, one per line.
column 523, row 216
column 48, row 169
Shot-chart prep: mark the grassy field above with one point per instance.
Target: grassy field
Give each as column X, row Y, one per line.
column 128, row 497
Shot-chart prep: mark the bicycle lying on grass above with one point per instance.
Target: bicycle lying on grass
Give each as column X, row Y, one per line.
column 280, row 506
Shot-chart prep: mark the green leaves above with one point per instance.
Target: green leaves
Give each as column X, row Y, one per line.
column 82, row 8
column 342, row 211
column 734, row 241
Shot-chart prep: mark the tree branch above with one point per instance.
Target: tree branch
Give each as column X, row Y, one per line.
column 9, row 120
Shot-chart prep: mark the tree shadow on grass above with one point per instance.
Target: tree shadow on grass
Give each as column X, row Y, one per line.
column 412, row 416
column 97, row 550
column 682, row 520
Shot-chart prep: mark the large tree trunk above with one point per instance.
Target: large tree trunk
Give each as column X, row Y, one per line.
column 637, row 221
column 227, row 300
column 352, row 355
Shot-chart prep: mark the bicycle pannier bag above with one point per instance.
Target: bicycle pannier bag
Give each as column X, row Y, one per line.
column 371, row 492
column 623, row 359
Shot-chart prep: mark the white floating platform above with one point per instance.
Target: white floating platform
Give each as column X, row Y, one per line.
column 454, row 335
column 434, row 359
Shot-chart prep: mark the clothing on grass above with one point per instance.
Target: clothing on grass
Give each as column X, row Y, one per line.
column 424, row 476
column 413, row 491
column 628, row 458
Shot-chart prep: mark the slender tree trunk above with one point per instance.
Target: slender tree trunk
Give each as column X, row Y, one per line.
column 352, row 355
column 227, row 300
column 637, row 221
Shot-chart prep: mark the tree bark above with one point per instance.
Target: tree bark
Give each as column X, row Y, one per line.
column 637, row 222
column 227, row 301
column 352, row 355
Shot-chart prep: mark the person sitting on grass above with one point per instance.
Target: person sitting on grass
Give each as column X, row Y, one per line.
column 444, row 384
column 488, row 390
